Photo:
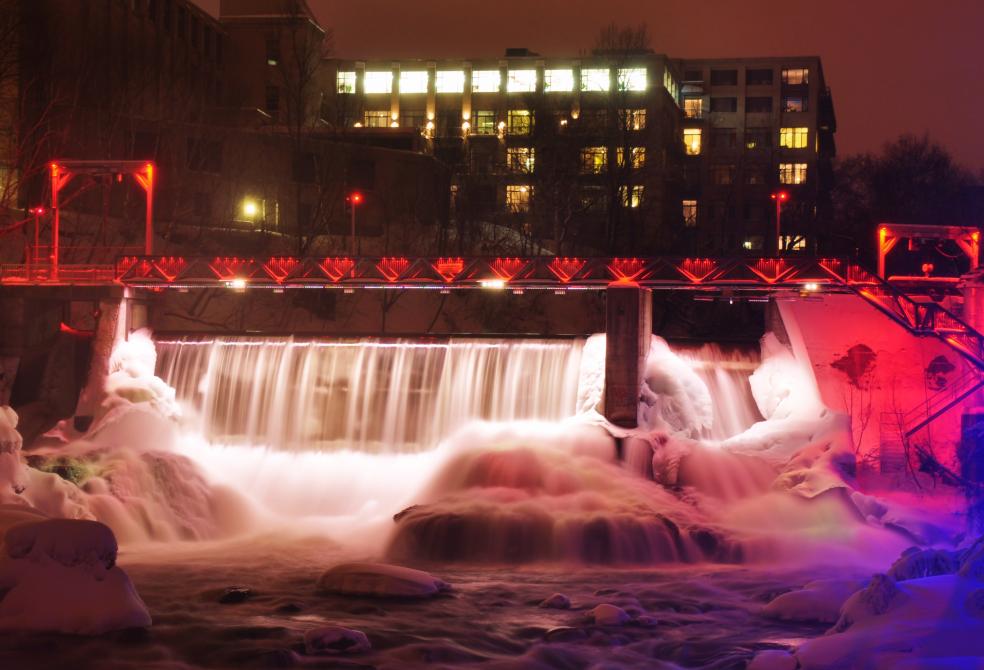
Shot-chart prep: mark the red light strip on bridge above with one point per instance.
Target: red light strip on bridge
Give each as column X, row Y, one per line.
column 565, row 269
column 336, row 268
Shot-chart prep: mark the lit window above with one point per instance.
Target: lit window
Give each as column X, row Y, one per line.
column 483, row 122
column 377, row 119
column 520, row 159
column 413, row 81
column 378, row 82
column 521, row 81
column 794, row 103
column 449, row 81
column 795, row 76
column 690, row 213
column 691, row 141
column 630, row 196
column 518, row 198
column 752, row 243
column 345, row 82
column 595, row 79
column 520, row 121
column 637, row 157
column 635, row 119
column 792, row 173
column 558, row 80
column 632, row 79
column 794, row 138
column 670, row 84
column 594, row 159
column 793, row 242
column 486, row 81
column 693, row 108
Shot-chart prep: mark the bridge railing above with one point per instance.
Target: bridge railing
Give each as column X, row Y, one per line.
column 449, row 272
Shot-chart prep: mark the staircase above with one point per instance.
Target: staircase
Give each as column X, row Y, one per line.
column 923, row 319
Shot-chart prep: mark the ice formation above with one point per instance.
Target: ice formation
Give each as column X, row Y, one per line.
column 60, row 575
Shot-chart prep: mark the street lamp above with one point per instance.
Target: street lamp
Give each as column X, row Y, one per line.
column 37, row 213
column 780, row 197
column 354, row 200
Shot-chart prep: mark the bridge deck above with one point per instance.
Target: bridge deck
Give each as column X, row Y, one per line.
column 445, row 273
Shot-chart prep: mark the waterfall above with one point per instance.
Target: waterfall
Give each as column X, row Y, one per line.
column 368, row 395
column 725, row 372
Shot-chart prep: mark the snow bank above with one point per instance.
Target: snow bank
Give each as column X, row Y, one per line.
column 820, row 601
column 335, row 640
column 13, row 474
column 380, row 580
column 60, row 575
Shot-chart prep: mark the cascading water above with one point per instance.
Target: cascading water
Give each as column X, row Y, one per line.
column 366, row 395
column 725, row 372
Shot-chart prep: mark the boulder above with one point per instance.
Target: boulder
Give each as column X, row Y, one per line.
column 380, row 580
column 335, row 640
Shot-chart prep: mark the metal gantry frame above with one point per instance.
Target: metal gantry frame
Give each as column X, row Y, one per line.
column 889, row 234
column 64, row 170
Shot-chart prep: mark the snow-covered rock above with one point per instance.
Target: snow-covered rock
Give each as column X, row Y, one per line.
column 380, row 580
column 60, row 575
column 820, row 601
column 871, row 601
column 609, row 615
column 919, row 623
column 557, row 601
column 68, row 542
column 335, row 640
column 13, row 472
column 915, row 563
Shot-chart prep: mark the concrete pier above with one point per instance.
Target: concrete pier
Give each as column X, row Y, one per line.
column 628, row 332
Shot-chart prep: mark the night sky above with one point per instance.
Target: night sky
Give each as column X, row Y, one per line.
column 893, row 65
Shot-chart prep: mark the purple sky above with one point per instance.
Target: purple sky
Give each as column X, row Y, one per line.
column 893, row 65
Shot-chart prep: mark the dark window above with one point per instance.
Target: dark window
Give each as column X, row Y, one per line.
column 758, row 105
column 195, row 29
column 759, row 77
column 724, row 104
column 166, row 18
column 208, row 42
column 306, row 168
column 414, row 119
column 724, row 77
column 724, row 138
column 152, row 10
column 593, row 120
column 722, row 175
column 218, row 49
column 272, row 99
column 754, row 212
column 795, row 103
column 204, row 155
column 182, row 22
column 755, row 175
column 693, row 75
column 758, row 138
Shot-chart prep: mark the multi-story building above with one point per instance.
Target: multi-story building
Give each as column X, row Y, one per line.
column 754, row 128
column 609, row 153
column 563, row 154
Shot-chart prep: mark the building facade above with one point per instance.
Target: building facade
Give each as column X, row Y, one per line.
column 753, row 128
column 616, row 152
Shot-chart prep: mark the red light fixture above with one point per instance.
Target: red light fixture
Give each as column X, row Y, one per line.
column 355, row 198
column 781, row 196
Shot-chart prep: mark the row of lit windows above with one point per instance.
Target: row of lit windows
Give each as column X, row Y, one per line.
column 789, row 138
column 490, row 81
column 693, row 107
column 484, row 122
column 519, row 196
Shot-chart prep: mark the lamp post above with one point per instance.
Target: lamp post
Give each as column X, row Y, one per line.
column 780, row 197
column 354, row 199
column 37, row 212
